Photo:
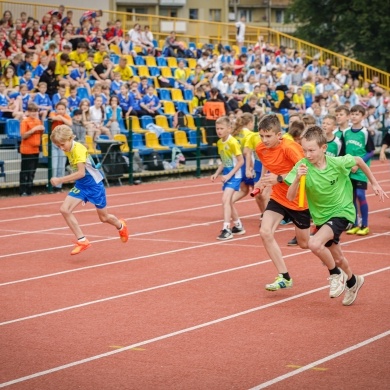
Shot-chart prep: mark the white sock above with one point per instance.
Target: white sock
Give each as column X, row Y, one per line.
column 238, row 224
column 226, row 225
column 82, row 239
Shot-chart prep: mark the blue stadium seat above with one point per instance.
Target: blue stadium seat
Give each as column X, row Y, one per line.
column 146, row 120
column 165, row 94
column 188, row 94
column 134, row 69
column 244, row 50
column 167, row 140
column 154, row 71
column 114, row 59
column 139, row 60
column 82, row 93
column 139, row 145
column 155, row 44
column 182, row 106
column 192, row 139
column 161, row 61
column 12, row 129
column 192, row 45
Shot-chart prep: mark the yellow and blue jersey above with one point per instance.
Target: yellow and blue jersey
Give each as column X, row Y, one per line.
column 228, row 152
column 251, row 142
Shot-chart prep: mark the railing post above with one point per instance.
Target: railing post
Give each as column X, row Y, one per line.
column 198, row 124
column 49, row 157
column 131, row 152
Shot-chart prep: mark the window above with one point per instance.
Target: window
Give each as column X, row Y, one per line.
column 215, row 15
column 279, row 15
column 193, row 14
column 171, row 13
column 245, row 12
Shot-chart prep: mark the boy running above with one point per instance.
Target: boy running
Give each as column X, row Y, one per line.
column 278, row 156
column 329, row 194
column 88, row 187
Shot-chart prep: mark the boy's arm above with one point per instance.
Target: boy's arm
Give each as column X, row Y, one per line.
column 240, row 163
column 294, row 187
column 367, row 171
column 217, row 173
column 79, row 174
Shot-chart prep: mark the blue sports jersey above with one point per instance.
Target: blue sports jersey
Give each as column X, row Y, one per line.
column 42, row 100
column 38, row 71
column 29, row 83
column 25, row 100
column 147, row 99
column 126, row 102
column 73, row 103
column 3, row 101
column 55, row 99
column 116, row 87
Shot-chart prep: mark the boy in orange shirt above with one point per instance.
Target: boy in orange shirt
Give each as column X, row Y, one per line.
column 31, row 130
column 278, row 156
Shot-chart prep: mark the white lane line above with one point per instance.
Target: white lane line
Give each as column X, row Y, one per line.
column 321, row 361
column 168, row 335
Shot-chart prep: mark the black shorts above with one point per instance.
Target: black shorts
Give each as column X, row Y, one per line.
column 301, row 219
column 338, row 225
column 358, row 184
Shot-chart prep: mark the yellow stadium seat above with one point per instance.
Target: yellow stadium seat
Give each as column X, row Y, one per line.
column 151, row 141
column 156, row 83
column 122, row 138
column 162, row 121
column 115, row 49
column 199, row 45
column 143, row 71
column 190, row 122
column 136, row 78
column 45, row 143
column 204, row 137
column 135, row 125
column 169, row 108
column 177, row 94
column 172, row 62
column 166, row 72
column 130, row 59
column 236, row 49
column 161, row 43
column 182, row 141
column 90, row 145
column 191, row 63
column 281, row 120
column 150, row 61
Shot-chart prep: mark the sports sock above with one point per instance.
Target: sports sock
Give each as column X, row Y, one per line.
column 363, row 206
column 334, row 271
column 226, row 226
column 121, row 226
column 238, row 224
column 351, row 282
column 82, row 238
column 286, row 276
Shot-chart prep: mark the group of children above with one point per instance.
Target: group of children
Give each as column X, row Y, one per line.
column 335, row 161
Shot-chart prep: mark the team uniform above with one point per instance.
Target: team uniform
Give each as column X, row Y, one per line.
column 335, row 147
column 90, row 188
column 251, row 143
column 228, row 150
column 43, row 100
column 242, row 137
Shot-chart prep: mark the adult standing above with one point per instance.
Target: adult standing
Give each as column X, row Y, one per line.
column 240, row 33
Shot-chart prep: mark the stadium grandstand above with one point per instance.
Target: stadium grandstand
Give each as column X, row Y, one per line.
column 141, row 82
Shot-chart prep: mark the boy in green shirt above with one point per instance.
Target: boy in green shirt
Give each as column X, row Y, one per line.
column 342, row 119
column 335, row 144
column 329, row 195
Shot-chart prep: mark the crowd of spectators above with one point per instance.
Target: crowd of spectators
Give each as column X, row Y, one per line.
column 90, row 68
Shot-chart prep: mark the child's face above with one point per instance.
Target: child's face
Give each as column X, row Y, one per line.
column 223, row 130
column 42, row 88
column 356, row 117
column 61, row 110
column 73, row 92
column 270, row 138
column 328, row 126
column 77, row 117
column 312, row 151
column 65, row 145
column 2, row 88
column 23, row 90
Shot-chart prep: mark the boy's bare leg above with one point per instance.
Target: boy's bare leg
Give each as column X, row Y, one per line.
column 270, row 222
column 302, row 236
column 70, row 203
column 317, row 246
column 108, row 218
column 340, row 260
column 227, row 198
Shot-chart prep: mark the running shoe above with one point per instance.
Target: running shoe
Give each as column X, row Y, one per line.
column 363, row 231
column 351, row 293
column 80, row 246
column 123, row 232
column 337, row 284
column 226, row 234
column 280, row 282
column 238, row 230
column 293, row 242
column 353, row 230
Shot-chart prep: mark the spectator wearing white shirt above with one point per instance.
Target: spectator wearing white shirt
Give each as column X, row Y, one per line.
column 240, row 33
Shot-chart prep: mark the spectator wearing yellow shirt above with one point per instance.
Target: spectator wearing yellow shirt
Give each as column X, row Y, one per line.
column 81, row 55
column 10, row 80
column 299, row 100
column 125, row 71
column 61, row 72
column 100, row 54
column 180, row 76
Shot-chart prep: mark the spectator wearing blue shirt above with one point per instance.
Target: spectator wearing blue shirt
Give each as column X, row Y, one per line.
column 43, row 101
column 24, row 96
column 150, row 103
column 116, row 83
column 59, row 95
column 26, row 79
column 113, row 116
column 73, row 99
column 126, row 101
column 25, row 65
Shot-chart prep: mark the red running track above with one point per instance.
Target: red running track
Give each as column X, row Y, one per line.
column 176, row 309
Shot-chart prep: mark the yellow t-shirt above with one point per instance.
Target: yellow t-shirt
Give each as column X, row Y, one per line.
column 228, row 151
column 180, row 74
column 298, row 99
column 98, row 57
column 61, row 70
column 242, row 136
column 126, row 73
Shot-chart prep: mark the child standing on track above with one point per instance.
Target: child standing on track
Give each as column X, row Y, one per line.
column 358, row 142
column 335, row 146
column 232, row 161
column 279, row 155
column 329, row 194
column 88, row 187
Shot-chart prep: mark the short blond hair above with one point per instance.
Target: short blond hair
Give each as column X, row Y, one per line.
column 61, row 134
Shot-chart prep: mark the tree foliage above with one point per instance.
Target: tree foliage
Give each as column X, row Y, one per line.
column 356, row 28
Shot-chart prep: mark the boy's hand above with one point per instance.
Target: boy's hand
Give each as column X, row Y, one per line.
column 213, row 177
column 379, row 192
column 382, row 157
column 225, row 178
column 354, row 169
column 249, row 173
column 302, row 170
column 55, row 181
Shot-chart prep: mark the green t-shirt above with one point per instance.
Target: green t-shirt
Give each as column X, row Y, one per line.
column 328, row 191
column 334, row 147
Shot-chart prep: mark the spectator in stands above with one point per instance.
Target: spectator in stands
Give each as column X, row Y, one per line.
column 78, row 128
column 49, row 78
column 90, row 16
column 299, row 100
column 58, row 159
column 150, row 103
column 147, row 40
column 80, row 55
column 240, row 64
column 199, row 100
column 97, row 118
column 102, row 72
column 125, row 71
column 125, row 45
column 102, row 51
column 197, row 77
column 240, row 32
column 113, row 116
column 171, row 45
column 43, row 101
column 31, row 130
column 136, row 37
column 326, row 69
column 73, row 99
column 180, row 76
column 61, row 71
column 10, row 80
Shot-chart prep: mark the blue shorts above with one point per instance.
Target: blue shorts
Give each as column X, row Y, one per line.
column 232, row 183
column 246, row 180
column 95, row 194
column 257, row 177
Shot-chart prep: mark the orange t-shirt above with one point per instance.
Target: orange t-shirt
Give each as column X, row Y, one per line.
column 57, row 123
column 279, row 161
column 31, row 144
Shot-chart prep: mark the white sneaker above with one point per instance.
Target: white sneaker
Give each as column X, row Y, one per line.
column 337, row 284
column 351, row 293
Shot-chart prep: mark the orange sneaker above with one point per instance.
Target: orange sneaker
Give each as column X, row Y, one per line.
column 123, row 233
column 80, row 246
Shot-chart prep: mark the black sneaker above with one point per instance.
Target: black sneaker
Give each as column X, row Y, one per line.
column 238, row 231
column 226, row 234
column 293, row 242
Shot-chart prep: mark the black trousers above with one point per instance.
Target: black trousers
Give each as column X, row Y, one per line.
column 27, row 172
